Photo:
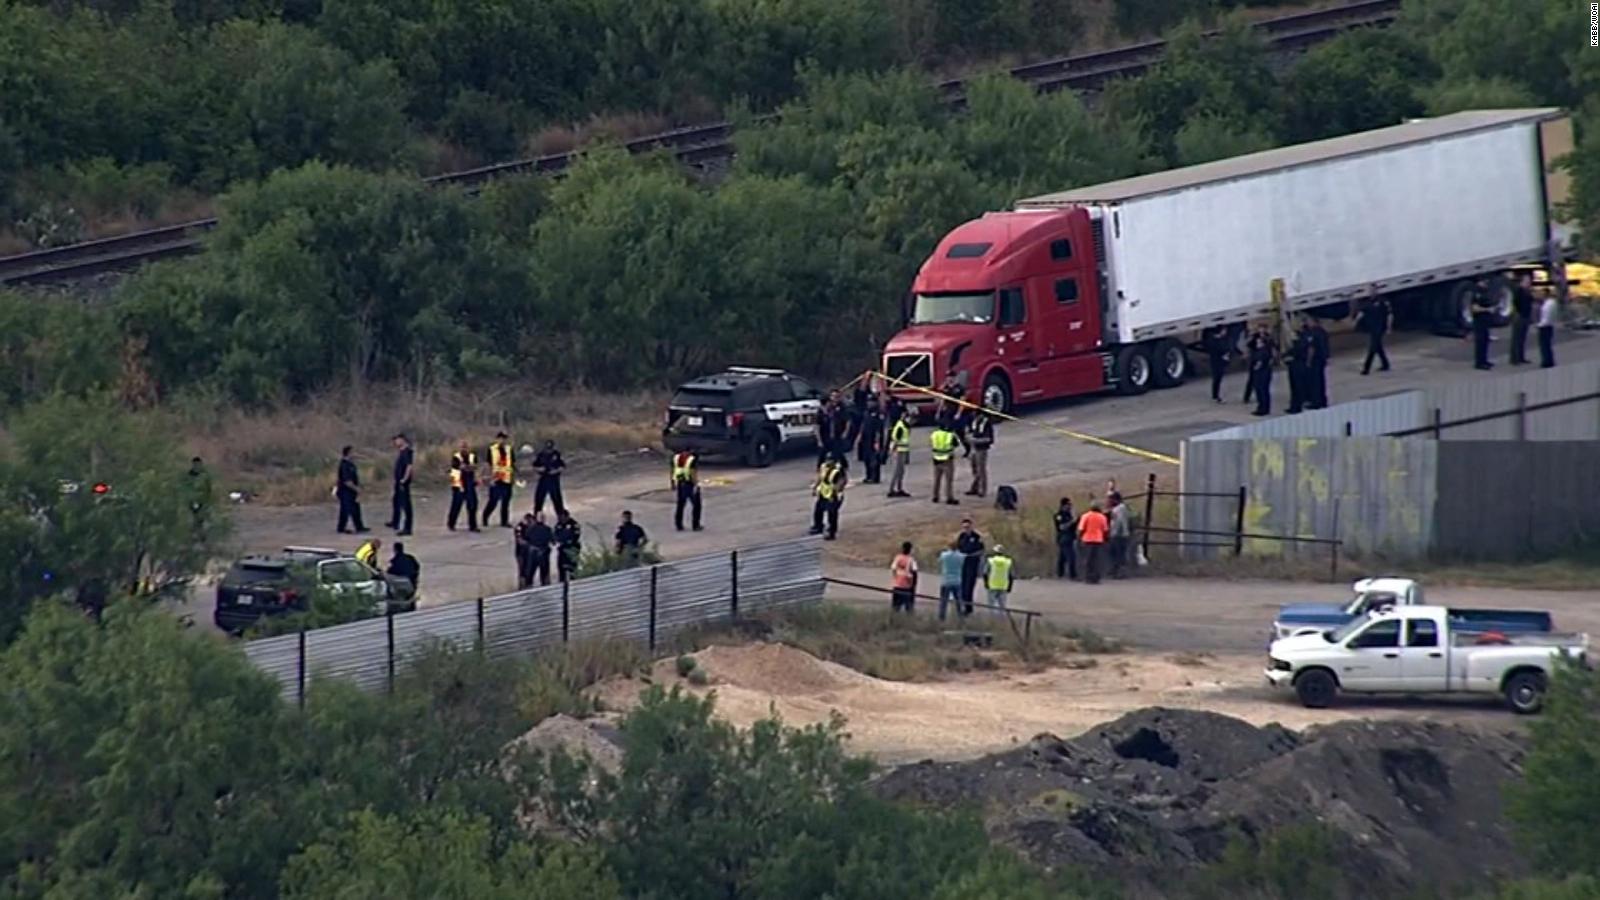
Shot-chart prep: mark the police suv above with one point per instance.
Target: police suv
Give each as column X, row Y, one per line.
column 746, row 412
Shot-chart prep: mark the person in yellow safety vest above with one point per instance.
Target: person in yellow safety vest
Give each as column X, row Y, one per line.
column 829, row 488
column 943, row 441
column 900, row 446
column 998, row 578
column 463, row 487
column 367, row 553
column 686, row 482
column 502, row 478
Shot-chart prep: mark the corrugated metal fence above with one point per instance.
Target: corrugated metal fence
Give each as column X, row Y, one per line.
column 648, row 605
column 1429, row 412
column 1380, row 475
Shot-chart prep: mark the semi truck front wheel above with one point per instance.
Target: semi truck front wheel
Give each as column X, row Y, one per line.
column 996, row 393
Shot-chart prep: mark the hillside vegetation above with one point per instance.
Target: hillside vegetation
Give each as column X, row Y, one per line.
column 629, row 273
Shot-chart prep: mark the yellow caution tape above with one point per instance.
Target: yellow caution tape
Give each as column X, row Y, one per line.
column 1107, row 443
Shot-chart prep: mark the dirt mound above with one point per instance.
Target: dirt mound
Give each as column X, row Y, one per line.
column 578, row 737
column 777, row 669
column 1161, row 790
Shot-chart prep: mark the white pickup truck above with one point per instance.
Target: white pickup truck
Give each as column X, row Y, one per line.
column 1413, row 650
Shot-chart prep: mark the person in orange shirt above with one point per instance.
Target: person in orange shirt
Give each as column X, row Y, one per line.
column 903, row 571
column 1092, row 529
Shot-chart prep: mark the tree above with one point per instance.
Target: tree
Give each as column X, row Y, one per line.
column 1526, row 45
column 1556, row 807
column 1203, row 139
column 53, row 347
column 1223, row 77
column 440, row 855
column 133, row 761
column 701, row 809
column 324, row 274
column 1360, row 80
column 59, row 536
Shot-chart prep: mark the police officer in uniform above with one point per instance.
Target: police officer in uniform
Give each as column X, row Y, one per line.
column 400, row 514
column 1482, row 318
column 900, row 446
column 869, row 443
column 686, row 484
column 1261, row 360
column 550, row 464
column 463, row 487
column 980, row 437
column 1317, row 353
column 520, row 541
column 943, row 443
column 502, row 478
column 539, row 537
column 1299, row 369
column 348, row 490
column 829, row 488
column 569, row 545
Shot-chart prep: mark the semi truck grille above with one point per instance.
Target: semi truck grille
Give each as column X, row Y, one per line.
column 912, row 368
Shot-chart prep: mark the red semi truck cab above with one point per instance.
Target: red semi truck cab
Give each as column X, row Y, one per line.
column 1013, row 302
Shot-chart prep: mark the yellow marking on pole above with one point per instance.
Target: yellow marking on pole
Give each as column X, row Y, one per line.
column 1107, row 443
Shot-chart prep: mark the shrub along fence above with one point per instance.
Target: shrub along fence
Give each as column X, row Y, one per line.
column 648, row 605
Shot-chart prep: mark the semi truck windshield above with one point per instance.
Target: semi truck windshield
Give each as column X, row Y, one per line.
column 937, row 309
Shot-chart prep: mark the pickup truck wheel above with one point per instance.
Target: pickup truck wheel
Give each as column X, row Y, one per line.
column 996, row 393
column 1316, row 688
column 1171, row 363
column 1133, row 371
column 759, row 450
column 1525, row 692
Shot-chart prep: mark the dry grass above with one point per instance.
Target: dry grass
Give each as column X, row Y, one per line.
column 288, row 456
column 896, row 647
column 178, row 206
column 615, row 127
column 1028, row 533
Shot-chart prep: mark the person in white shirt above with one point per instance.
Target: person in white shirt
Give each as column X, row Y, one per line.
column 1547, row 332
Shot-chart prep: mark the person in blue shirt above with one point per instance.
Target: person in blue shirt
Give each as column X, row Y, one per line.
column 951, row 563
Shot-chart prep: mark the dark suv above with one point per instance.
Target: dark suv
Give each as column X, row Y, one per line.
column 257, row 586
column 745, row 412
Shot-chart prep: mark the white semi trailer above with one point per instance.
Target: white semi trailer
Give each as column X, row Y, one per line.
column 1104, row 286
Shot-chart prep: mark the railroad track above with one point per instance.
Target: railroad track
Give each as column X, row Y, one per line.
column 692, row 145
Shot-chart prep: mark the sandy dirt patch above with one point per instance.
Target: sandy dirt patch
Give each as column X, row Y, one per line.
column 968, row 715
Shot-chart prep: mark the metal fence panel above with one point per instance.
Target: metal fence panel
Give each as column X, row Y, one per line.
column 693, row 594
column 415, row 632
column 776, row 575
column 1375, row 494
column 356, row 650
column 1363, row 418
column 278, row 657
column 614, row 606
column 688, row 593
column 524, row 622
column 1479, row 397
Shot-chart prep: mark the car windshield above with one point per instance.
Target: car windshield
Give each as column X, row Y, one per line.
column 345, row 571
column 939, row 309
column 1338, row 635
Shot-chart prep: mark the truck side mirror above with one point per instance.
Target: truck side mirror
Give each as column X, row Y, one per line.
column 905, row 309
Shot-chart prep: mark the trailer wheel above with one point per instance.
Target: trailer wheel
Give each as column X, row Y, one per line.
column 1525, row 692
column 1316, row 688
column 1133, row 371
column 996, row 394
column 1171, row 364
